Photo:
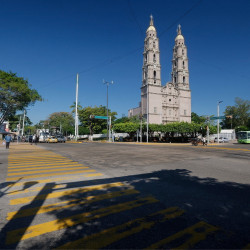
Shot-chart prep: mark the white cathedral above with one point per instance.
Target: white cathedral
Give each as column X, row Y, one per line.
column 172, row 102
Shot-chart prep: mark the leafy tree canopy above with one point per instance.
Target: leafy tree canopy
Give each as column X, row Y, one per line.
column 237, row 115
column 95, row 125
column 15, row 94
column 63, row 120
column 197, row 119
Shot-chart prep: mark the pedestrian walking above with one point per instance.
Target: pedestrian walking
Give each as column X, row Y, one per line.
column 204, row 141
column 7, row 140
column 34, row 139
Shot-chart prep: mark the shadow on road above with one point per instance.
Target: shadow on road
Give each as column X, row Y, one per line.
column 18, row 227
column 90, row 211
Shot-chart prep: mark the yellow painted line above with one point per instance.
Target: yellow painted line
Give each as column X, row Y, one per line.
column 93, row 175
column 70, row 203
column 111, row 235
column 30, row 159
column 64, row 193
column 36, row 168
column 39, row 163
column 53, row 179
column 192, row 235
column 28, row 190
column 46, row 175
column 233, row 149
column 27, row 161
column 51, row 226
column 44, row 171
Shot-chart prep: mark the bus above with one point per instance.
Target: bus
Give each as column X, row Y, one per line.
column 243, row 137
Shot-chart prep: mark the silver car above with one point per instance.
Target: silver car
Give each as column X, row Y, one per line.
column 61, row 138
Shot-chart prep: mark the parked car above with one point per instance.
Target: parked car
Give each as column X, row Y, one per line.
column 28, row 138
column 61, row 138
column 51, row 139
column 221, row 139
column 43, row 137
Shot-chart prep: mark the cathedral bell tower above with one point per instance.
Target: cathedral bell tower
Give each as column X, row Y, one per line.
column 180, row 73
column 151, row 76
column 180, row 76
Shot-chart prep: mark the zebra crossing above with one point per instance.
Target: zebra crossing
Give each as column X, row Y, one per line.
column 55, row 202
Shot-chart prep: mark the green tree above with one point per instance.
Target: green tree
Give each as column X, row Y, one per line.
column 64, row 120
column 15, row 94
column 122, row 120
column 95, row 125
column 197, row 119
column 127, row 127
column 237, row 115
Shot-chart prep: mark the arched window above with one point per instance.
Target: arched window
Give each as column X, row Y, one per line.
column 183, row 52
column 154, row 58
column 183, row 63
column 154, row 76
column 184, row 79
column 175, row 79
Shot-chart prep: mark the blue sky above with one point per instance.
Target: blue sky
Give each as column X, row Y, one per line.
column 48, row 42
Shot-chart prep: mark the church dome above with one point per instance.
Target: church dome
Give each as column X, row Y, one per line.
column 151, row 28
column 151, row 25
column 179, row 37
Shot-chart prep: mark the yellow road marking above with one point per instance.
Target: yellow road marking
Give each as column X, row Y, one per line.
column 63, row 193
column 55, row 179
column 92, row 175
column 28, row 190
column 40, row 156
column 46, row 175
column 40, row 229
column 194, row 234
column 108, row 236
column 44, row 171
column 38, row 163
column 27, row 162
column 36, row 168
column 70, row 203
column 236, row 149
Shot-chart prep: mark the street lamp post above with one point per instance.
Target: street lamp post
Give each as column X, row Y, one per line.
column 218, row 121
column 76, row 109
column 108, row 83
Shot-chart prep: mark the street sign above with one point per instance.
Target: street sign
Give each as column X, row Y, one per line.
column 99, row 117
column 217, row 117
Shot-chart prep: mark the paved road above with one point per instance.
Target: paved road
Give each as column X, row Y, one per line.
column 100, row 195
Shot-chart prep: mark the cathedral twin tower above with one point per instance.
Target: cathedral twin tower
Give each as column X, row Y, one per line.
column 172, row 102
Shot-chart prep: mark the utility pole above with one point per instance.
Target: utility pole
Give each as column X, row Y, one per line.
column 76, row 111
column 218, row 120
column 141, row 127
column 108, row 83
column 23, row 121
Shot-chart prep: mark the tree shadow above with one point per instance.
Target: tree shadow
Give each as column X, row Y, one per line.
column 221, row 204
column 10, row 238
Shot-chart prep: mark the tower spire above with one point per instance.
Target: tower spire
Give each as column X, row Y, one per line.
column 151, row 20
column 179, row 30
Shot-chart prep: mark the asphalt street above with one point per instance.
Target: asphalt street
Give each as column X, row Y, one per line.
column 125, row 196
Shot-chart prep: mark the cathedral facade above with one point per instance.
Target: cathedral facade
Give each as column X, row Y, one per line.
column 161, row 104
